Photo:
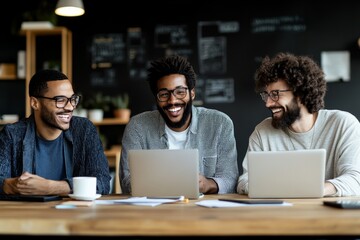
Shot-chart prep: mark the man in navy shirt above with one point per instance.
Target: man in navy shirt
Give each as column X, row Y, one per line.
column 40, row 154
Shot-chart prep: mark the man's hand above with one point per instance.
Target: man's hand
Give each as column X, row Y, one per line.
column 30, row 184
column 207, row 185
column 9, row 186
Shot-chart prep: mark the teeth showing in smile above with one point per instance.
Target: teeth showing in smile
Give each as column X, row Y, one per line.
column 64, row 117
column 276, row 110
column 175, row 109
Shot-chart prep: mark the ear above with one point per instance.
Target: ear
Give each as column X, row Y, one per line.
column 34, row 103
column 192, row 93
column 299, row 101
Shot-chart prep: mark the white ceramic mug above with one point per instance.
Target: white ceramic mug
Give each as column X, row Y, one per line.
column 84, row 186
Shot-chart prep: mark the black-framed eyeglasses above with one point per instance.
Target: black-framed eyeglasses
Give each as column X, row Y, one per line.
column 165, row 94
column 274, row 95
column 62, row 101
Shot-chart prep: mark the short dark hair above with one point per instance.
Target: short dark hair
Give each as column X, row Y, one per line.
column 303, row 74
column 38, row 82
column 170, row 65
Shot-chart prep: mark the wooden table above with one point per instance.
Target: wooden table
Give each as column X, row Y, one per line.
column 307, row 217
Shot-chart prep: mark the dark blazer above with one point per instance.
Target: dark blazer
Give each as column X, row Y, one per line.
column 84, row 153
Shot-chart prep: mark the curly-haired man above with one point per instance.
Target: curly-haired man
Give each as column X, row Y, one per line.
column 293, row 89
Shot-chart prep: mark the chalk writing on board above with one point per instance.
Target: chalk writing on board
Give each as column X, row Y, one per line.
column 217, row 28
column 229, row 27
column 108, row 48
column 104, row 78
column 279, row 24
column 219, row 90
column 185, row 52
column 212, row 55
column 137, row 56
column 212, row 45
column 199, row 89
column 171, row 35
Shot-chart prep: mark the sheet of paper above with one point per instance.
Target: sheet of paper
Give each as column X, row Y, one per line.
column 141, row 201
column 79, row 203
column 336, row 65
column 225, row 204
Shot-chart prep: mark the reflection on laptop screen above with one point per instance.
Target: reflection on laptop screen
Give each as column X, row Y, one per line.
column 164, row 172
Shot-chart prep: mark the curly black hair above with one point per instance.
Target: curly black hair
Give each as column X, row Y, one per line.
column 170, row 65
column 303, row 74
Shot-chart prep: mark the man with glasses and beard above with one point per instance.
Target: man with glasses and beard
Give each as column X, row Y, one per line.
column 40, row 154
column 293, row 89
column 177, row 124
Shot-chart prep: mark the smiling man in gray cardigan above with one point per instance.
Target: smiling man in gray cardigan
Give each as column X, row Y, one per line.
column 39, row 155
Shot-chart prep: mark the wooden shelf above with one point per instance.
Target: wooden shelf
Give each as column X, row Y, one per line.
column 8, row 77
column 11, row 78
column 3, row 122
column 110, row 121
column 105, row 121
column 111, row 154
column 113, row 157
column 31, row 52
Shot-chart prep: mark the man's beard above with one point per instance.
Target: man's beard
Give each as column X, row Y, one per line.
column 182, row 122
column 288, row 117
column 48, row 118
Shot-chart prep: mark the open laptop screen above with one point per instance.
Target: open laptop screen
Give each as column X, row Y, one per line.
column 164, row 172
column 286, row 174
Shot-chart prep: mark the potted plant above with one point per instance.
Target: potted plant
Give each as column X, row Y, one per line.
column 120, row 103
column 41, row 12
column 80, row 110
column 96, row 107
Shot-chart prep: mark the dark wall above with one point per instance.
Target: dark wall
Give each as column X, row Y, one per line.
column 300, row 28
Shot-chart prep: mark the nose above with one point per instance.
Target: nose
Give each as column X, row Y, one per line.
column 172, row 98
column 269, row 102
column 68, row 103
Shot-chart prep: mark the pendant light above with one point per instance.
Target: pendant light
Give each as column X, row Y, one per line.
column 70, row 8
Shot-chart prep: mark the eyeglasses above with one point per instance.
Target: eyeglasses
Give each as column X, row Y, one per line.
column 274, row 95
column 165, row 94
column 62, row 101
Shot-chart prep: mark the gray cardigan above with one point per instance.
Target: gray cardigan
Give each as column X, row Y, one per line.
column 211, row 132
column 84, row 154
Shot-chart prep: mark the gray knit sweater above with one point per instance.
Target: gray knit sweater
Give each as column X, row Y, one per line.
column 336, row 131
column 210, row 131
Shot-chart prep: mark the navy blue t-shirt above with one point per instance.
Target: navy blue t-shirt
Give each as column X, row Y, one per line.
column 49, row 158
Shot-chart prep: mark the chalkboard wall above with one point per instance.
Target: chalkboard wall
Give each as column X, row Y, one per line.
column 112, row 47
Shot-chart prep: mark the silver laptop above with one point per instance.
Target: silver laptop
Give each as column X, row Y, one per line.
column 164, row 172
column 286, row 174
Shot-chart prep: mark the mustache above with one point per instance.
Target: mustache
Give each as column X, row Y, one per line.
column 167, row 107
column 65, row 111
column 271, row 108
